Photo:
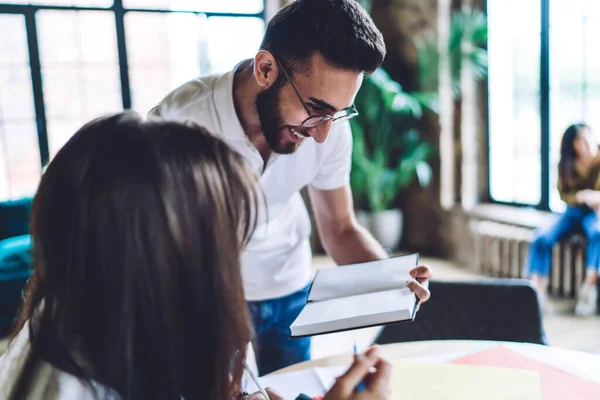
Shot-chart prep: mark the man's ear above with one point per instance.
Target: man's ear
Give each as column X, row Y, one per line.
column 266, row 69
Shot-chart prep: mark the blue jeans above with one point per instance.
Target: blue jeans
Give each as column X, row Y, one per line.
column 271, row 320
column 540, row 252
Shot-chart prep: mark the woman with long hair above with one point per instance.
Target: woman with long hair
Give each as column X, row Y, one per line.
column 579, row 187
column 137, row 231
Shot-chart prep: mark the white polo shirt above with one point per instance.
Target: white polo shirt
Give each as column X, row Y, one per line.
column 277, row 261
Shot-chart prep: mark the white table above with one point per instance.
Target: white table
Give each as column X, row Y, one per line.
column 583, row 365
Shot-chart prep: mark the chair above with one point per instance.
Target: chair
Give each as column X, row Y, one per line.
column 11, row 289
column 14, row 217
column 492, row 309
column 15, row 258
column 15, row 261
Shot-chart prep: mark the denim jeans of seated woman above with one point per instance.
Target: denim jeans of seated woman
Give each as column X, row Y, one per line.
column 271, row 320
column 583, row 217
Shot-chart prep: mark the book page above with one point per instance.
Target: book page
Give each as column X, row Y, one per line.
column 354, row 279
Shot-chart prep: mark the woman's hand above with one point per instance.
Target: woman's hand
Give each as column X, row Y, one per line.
column 589, row 197
column 259, row 396
column 582, row 196
column 377, row 384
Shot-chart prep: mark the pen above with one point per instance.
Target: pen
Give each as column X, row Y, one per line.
column 255, row 379
column 361, row 385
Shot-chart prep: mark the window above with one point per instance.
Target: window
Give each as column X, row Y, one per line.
column 543, row 76
column 68, row 3
column 164, row 50
column 65, row 62
column 514, row 100
column 19, row 152
column 574, row 75
column 220, row 6
column 80, row 70
column 167, row 49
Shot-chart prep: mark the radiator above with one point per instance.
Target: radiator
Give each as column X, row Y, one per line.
column 500, row 250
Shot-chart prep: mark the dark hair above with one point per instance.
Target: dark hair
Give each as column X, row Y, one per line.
column 137, row 230
column 340, row 30
column 568, row 155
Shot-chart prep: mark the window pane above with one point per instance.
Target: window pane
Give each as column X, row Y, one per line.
column 80, row 3
column 592, row 66
column 514, row 116
column 231, row 40
column 574, row 75
column 80, row 70
column 166, row 50
column 20, row 166
column 227, row 6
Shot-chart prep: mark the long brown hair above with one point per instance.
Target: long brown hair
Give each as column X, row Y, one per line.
column 137, row 230
column 568, row 155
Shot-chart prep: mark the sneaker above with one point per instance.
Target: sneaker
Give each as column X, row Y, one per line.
column 545, row 305
column 587, row 301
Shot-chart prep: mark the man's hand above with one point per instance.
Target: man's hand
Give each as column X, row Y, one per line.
column 419, row 283
column 347, row 243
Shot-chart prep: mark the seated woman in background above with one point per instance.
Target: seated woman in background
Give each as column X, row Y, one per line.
column 136, row 294
column 579, row 187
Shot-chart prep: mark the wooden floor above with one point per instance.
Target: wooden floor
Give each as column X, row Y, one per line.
column 563, row 328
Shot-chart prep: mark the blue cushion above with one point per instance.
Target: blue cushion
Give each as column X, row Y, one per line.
column 14, row 217
column 15, row 253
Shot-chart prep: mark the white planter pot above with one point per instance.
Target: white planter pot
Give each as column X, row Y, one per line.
column 386, row 228
column 364, row 219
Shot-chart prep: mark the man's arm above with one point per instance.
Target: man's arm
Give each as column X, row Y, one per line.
column 347, row 242
column 343, row 239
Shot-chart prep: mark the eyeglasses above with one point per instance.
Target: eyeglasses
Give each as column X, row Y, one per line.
column 315, row 120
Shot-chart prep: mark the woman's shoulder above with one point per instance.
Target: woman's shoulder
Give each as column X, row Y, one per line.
column 595, row 169
column 47, row 382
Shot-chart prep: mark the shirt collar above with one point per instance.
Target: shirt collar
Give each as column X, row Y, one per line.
column 223, row 96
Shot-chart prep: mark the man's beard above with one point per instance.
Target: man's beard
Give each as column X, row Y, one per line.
column 271, row 121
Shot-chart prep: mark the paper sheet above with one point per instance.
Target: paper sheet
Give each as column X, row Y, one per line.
column 310, row 381
column 420, row 380
column 440, row 381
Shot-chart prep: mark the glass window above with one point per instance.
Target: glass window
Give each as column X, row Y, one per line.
column 68, row 3
column 574, row 78
column 225, row 6
column 231, row 40
column 514, row 98
column 80, row 70
column 167, row 49
column 80, row 66
column 164, row 50
column 20, row 165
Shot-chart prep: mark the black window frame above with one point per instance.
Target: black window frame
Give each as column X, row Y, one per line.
column 544, row 204
column 28, row 11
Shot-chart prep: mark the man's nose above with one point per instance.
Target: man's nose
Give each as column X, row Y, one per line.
column 320, row 133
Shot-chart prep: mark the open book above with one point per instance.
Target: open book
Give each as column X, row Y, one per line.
column 358, row 296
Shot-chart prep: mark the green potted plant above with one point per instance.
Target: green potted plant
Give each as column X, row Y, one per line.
column 388, row 153
column 465, row 45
